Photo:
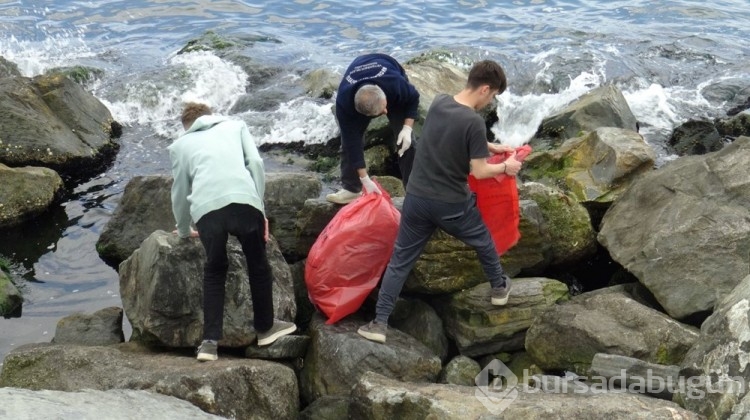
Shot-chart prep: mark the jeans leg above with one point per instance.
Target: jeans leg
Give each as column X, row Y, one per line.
column 472, row 231
column 214, row 237
column 414, row 231
column 248, row 225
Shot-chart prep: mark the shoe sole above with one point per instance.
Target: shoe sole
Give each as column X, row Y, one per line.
column 205, row 357
column 378, row 338
column 500, row 301
column 278, row 334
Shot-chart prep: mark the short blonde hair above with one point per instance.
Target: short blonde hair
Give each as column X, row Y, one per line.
column 192, row 111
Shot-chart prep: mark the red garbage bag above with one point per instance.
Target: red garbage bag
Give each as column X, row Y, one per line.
column 347, row 260
column 497, row 200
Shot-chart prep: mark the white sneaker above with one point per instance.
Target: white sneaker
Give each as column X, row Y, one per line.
column 343, row 196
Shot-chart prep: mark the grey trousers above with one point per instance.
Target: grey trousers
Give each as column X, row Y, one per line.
column 419, row 219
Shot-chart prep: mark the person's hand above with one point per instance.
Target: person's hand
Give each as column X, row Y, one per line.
column 512, row 165
column 497, row 148
column 404, row 140
column 368, row 186
column 266, row 233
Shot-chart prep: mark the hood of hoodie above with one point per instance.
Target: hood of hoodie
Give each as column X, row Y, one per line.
column 205, row 122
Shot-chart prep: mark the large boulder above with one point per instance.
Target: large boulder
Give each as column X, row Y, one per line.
column 684, row 229
column 145, row 206
column 569, row 335
column 695, row 137
column 337, row 356
column 604, row 106
column 101, row 328
column 119, row 404
column 52, row 121
column 718, row 364
column 376, row 397
column 10, row 297
column 480, row 328
column 594, row 168
column 286, row 194
column 232, row 388
column 161, row 285
column 26, row 192
column 566, row 227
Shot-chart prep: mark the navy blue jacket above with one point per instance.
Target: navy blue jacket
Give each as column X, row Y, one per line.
column 377, row 69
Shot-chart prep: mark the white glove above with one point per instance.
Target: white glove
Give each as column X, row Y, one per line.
column 368, row 186
column 404, row 140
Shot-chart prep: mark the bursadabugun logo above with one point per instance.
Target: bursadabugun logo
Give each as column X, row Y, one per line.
column 496, row 387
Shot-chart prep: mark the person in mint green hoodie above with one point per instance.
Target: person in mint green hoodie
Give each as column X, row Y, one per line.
column 219, row 182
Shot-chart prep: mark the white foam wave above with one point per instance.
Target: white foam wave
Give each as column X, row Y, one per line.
column 198, row 76
column 519, row 117
column 299, row 120
column 34, row 58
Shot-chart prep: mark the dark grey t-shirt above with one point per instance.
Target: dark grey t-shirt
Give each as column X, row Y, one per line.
column 452, row 135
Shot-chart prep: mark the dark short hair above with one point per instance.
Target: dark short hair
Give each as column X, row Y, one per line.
column 192, row 111
column 487, row 72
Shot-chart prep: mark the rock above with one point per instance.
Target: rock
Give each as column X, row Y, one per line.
column 567, row 228
column 161, row 287
column 718, row 363
column 321, row 83
column 480, row 328
column 10, row 297
column 286, row 347
column 433, row 75
column 305, row 308
column 52, row 121
column 569, row 335
column 594, row 168
column 311, row 220
column 533, row 252
column 119, row 404
column 103, row 327
column 420, row 321
column 684, row 229
column 460, row 371
column 145, row 206
column 738, row 125
column 26, row 192
column 695, row 138
column 376, row 397
column 604, row 106
column 327, row 407
column 267, row 389
column 285, row 196
column 630, row 373
column 337, row 356
column 8, row 69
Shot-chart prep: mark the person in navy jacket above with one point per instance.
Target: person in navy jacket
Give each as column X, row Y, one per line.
column 373, row 85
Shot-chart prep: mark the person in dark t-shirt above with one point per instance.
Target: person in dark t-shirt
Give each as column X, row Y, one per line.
column 453, row 143
column 373, row 85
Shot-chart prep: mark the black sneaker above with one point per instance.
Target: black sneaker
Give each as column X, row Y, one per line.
column 207, row 351
column 374, row 331
column 279, row 329
column 500, row 295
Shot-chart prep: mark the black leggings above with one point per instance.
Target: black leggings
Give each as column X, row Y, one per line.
column 248, row 225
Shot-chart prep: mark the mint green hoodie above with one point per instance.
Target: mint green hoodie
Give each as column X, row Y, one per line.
column 214, row 163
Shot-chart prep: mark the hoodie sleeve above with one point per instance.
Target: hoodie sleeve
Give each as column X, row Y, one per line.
column 254, row 164
column 180, row 192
